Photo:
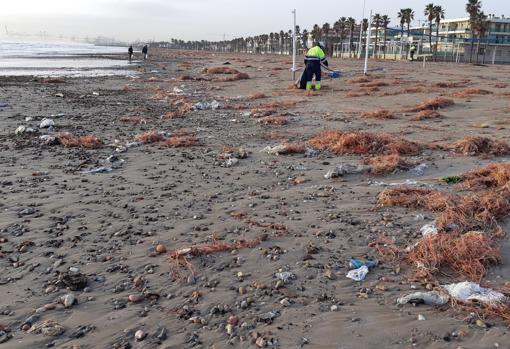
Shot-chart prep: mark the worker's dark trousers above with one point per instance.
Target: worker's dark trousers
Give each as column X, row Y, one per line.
column 313, row 68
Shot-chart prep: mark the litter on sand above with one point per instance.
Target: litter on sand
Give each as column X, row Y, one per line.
column 473, row 292
column 345, row 169
column 428, row 298
column 429, row 229
column 358, row 274
column 358, row 263
column 98, row 170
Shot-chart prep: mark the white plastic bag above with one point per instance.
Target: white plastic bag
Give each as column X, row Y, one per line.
column 358, row 274
column 470, row 291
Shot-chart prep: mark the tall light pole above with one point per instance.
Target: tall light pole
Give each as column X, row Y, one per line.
column 365, row 70
column 361, row 30
column 294, row 48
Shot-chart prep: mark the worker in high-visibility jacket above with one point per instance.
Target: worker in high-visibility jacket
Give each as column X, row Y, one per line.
column 313, row 60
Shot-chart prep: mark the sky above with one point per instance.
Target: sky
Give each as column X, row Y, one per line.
column 214, row 20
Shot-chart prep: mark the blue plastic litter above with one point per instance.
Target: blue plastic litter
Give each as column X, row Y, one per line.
column 334, row 75
column 357, row 263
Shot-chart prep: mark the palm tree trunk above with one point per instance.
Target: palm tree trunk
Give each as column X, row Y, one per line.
column 437, row 40
column 486, row 45
column 430, row 36
column 472, row 44
column 478, row 47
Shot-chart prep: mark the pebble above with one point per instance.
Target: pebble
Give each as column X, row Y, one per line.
column 261, row 342
column 334, row 307
column 233, row 320
column 140, row 335
column 68, row 300
column 481, row 324
column 161, row 248
column 230, row 329
column 135, row 298
column 285, row 302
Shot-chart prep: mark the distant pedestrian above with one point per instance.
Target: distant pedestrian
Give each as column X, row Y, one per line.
column 130, row 53
column 145, row 51
column 413, row 51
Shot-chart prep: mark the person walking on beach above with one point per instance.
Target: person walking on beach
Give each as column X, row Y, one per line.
column 145, row 51
column 413, row 51
column 130, row 53
column 315, row 57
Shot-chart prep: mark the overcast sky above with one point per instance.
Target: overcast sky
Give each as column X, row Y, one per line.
column 199, row 19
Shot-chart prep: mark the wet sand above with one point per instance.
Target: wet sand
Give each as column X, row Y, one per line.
column 105, row 226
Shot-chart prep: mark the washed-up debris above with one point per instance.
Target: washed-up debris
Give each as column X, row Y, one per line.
column 212, row 247
column 4, row 336
column 75, row 281
column 357, row 263
column 384, row 164
column 68, row 300
column 46, row 123
column 285, row 276
column 48, row 328
column 23, row 129
column 286, row 148
column 420, row 169
column 429, row 229
column 124, row 148
column 407, row 182
column 451, row 179
column 231, row 162
column 206, row 105
column 428, row 298
column 3, row 105
column 101, row 169
column 346, row 169
column 69, row 140
column 311, row 153
column 49, row 140
column 268, row 317
column 358, row 274
column 473, row 292
column 362, row 143
column 81, row 331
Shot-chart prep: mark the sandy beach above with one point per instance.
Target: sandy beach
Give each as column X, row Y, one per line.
column 94, row 230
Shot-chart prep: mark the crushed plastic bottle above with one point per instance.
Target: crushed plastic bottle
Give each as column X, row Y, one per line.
column 358, row 274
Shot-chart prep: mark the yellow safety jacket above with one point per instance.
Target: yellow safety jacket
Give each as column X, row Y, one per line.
column 315, row 54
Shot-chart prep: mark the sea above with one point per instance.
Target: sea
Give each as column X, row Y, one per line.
column 62, row 59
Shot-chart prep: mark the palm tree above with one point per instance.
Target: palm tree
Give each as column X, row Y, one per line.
column 409, row 18
column 271, row 40
column 282, row 38
column 376, row 22
column 304, row 37
column 316, row 33
column 402, row 15
column 481, row 27
column 340, row 29
column 362, row 33
column 351, row 23
column 439, row 15
column 385, row 21
column 430, row 13
column 473, row 8
column 326, row 28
